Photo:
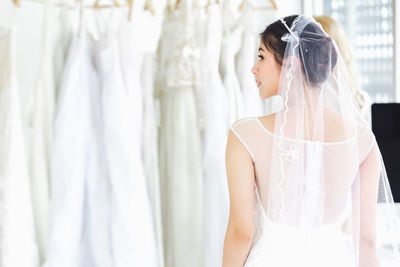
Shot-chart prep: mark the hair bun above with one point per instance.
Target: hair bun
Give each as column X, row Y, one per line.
column 317, row 53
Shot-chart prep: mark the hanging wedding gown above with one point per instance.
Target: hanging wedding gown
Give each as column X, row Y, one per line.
column 80, row 190
column 101, row 211
column 150, row 150
column 17, row 229
column 149, row 147
column 41, row 121
column 231, row 42
column 138, row 240
column 63, row 30
column 151, row 116
column 252, row 103
column 138, row 47
column 181, row 179
column 216, row 197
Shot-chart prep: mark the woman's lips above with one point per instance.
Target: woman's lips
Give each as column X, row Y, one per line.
column 258, row 83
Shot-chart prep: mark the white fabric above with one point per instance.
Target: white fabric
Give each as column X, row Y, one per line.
column 252, row 103
column 150, row 149
column 40, row 133
column 80, row 195
column 326, row 245
column 279, row 245
column 144, row 42
column 132, row 231
column 180, row 157
column 101, row 210
column 18, row 245
column 231, row 43
column 214, row 140
column 63, row 30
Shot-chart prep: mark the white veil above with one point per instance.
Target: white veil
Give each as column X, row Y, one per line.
column 325, row 166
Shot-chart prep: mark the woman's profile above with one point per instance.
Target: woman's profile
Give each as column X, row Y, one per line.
column 304, row 182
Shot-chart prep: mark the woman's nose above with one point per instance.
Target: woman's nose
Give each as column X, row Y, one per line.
column 253, row 70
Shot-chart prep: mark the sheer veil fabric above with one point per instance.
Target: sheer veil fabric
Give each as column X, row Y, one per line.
column 319, row 171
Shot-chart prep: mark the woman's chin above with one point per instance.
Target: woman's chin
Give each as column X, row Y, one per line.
column 263, row 94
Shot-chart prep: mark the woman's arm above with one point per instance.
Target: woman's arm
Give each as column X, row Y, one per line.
column 240, row 173
column 369, row 178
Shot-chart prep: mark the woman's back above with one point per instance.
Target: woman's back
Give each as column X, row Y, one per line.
column 309, row 226
column 330, row 164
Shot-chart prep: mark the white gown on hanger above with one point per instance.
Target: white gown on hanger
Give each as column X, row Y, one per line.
column 137, row 43
column 151, row 117
column 102, row 215
column 80, row 234
column 40, row 125
column 216, row 106
column 150, row 149
column 18, row 245
column 231, row 42
column 247, row 56
column 63, row 29
column 123, row 95
column 179, row 141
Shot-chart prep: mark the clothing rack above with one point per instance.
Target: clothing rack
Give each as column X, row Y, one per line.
column 272, row 6
column 67, row 5
column 129, row 3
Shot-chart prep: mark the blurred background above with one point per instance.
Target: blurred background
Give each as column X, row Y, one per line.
column 114, row 116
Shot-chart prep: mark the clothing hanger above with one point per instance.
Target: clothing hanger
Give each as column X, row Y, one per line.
column 208, row 5
column 272, row 2
column 97, row 4
column 16, row 2
column 80, row 24
column 148, row 5
column 274, row 6
column 14, row 13
column 170, row 5
column 130, row 4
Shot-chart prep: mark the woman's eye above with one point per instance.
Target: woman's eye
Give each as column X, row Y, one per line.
column 260, row 56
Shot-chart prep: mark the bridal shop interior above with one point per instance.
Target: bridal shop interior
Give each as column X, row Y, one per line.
column 114, row 117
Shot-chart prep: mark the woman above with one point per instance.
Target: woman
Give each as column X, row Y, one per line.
column 304, row 181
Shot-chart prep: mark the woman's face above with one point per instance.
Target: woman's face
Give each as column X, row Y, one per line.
column 267, row 72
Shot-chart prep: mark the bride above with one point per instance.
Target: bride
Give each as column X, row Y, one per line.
column 304, row 183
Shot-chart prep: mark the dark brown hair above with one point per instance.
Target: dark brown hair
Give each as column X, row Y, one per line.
column 318, row 56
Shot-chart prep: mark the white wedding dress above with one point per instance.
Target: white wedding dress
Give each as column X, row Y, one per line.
column 63, row 30
column 145, row 43
column 18, row 245
column 80, row 208
column 284, row 245
column 181, row 177
column 150, row 149
column 247, row 56
column 214, row 139
column 40, row 134
column 102, row 214
column 132, row 231
column 231, row 43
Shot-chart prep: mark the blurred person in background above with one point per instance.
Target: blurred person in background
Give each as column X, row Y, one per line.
column 335, row 30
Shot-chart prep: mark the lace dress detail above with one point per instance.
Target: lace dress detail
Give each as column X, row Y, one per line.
column 180, row 158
